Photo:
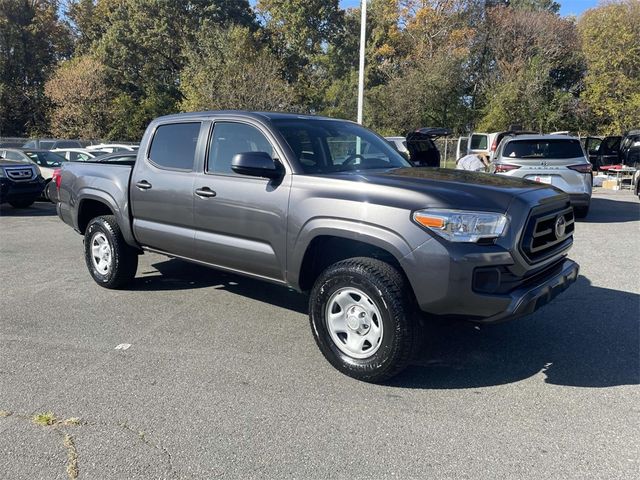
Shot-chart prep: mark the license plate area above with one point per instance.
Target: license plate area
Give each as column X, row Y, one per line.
column 540, row 178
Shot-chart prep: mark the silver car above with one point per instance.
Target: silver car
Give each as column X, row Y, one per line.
column 557, row 160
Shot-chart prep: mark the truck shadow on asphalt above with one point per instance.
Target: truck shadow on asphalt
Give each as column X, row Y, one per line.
column 181, row 275
column 587, row 337
column 604, row 210
column 38, row 209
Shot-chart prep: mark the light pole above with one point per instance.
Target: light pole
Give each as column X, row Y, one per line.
column 363, row 34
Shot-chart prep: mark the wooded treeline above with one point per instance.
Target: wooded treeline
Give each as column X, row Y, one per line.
column 104, row 68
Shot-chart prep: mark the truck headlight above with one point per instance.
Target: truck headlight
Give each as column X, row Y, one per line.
column 461, row 225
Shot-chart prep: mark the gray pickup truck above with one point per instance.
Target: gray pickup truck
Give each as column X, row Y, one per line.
column 327, row 207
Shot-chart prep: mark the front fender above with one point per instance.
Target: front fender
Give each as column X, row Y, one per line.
column 375, row 235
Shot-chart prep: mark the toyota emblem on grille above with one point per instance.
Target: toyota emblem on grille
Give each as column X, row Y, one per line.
column 561, row 226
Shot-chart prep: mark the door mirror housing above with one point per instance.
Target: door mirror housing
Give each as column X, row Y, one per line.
column 256, row 164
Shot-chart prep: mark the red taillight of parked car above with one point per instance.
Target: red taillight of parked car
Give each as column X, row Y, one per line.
column 57, row 177
column 582, row 168
column 494, row 144
column 505, row 167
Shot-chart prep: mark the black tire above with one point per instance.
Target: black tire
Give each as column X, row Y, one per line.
column 389, row 290
column 124, row 258
column 45, row 192
column 581, row 212
column 22, row 203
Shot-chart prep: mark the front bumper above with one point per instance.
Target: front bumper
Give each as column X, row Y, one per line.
column 493, row 282
column 528, row 299
column 15, row 191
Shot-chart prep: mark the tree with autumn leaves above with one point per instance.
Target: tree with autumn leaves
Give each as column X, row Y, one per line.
column 105, row 68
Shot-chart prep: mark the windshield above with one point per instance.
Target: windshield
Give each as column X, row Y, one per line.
column 536, row 149
column 46, row 159
column 326, row 146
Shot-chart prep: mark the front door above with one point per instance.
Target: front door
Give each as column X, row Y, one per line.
column 240, row 220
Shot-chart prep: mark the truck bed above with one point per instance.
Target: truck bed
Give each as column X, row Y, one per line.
column 86, row 181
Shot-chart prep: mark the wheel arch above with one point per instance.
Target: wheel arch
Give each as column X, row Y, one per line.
column 93, row 203
column 325, row 246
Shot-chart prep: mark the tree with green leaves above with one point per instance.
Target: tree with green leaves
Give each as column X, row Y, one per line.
column 81, row 99
column 229, row 69
column 610, row 37
column 32, row 39
column 536, row 71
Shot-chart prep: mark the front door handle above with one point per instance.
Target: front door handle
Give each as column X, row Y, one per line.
column 205, row 192
column 143, row 185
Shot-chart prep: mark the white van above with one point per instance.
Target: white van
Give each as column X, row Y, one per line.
column 485, row 143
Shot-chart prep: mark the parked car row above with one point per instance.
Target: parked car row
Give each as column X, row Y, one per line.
column 57, row 144
column 614, row 150
column 28, row 173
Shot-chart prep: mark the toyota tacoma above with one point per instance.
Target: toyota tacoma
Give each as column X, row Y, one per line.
column 327, row 207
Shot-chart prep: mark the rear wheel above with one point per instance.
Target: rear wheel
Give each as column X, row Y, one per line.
column 22, row 203
column 110, row 260
column 363, row 318
column 581, row 212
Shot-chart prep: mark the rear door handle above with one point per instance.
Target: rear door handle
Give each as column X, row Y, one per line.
column 143, row 185
column 205, row 192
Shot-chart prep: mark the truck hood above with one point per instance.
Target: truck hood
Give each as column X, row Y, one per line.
column 446, row 188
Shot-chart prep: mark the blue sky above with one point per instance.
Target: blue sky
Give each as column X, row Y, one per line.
column 567, row 7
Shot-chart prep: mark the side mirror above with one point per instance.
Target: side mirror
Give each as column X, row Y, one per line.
column 256, row 164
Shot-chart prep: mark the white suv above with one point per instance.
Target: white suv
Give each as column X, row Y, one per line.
column 558, row 160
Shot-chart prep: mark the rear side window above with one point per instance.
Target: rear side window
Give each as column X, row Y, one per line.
column 231, row 138
column 536, row 149
column 174, row 145
column 479, row 142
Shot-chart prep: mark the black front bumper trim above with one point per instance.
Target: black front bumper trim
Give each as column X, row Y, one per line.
column 528, row 299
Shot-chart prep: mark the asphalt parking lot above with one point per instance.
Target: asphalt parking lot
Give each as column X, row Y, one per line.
column 222, row 377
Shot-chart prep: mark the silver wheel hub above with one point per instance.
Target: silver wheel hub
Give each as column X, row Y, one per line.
column 101, row 253
column 354, row 322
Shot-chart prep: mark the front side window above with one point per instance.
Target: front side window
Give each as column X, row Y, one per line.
column 231, row 138
column 543, row 149
column 326, row 146
column 174, row 145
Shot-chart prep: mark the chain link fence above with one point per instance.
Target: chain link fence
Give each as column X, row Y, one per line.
column 447, row 147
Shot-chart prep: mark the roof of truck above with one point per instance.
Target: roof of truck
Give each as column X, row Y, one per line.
column 248, row 114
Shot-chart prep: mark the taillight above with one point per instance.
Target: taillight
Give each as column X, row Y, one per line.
column 57, row 177
column 505, row 167
column 582, row 167
column 494, row 145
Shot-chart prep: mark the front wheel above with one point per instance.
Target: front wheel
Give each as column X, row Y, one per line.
column 111, row 261
column 363, row 318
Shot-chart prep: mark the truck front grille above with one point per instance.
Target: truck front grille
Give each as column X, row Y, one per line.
column 20, row 174
column 548, row 231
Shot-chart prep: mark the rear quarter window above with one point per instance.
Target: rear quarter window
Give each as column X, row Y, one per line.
column 174, row 145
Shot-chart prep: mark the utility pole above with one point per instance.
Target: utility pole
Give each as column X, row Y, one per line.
column 363, row 34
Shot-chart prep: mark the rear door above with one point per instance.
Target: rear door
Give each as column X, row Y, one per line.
column 592, row 145
column 161, row 188
column 609, row 151
column 462, row 148
column 479, row 143
column 241, row 222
